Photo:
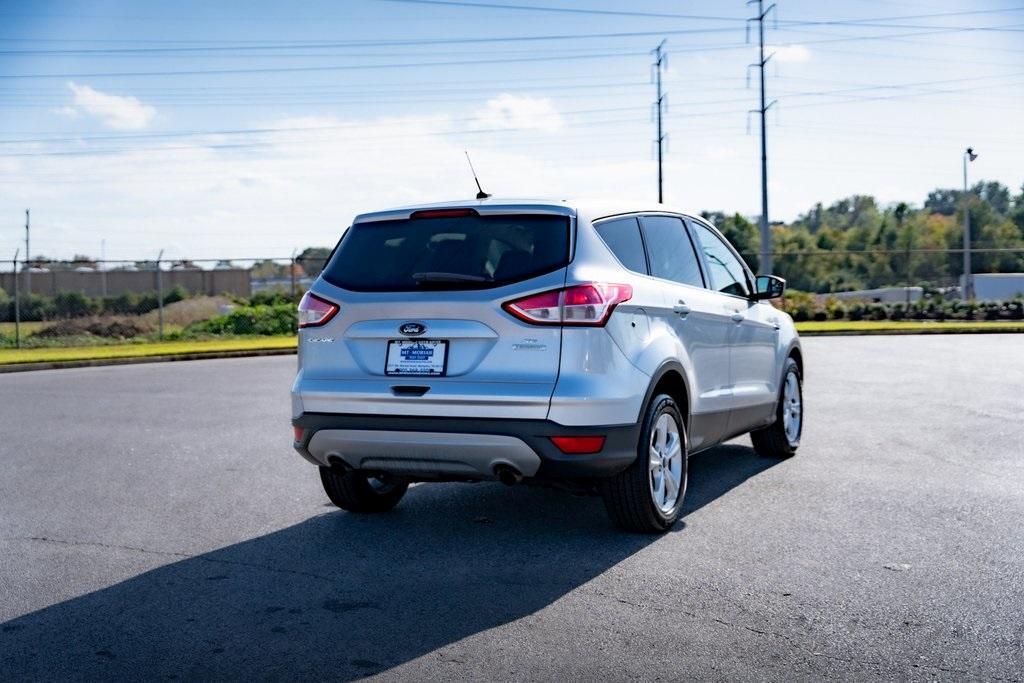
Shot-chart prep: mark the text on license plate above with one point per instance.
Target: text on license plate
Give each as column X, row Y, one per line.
column 419, row 357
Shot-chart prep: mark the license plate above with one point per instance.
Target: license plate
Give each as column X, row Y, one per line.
column 417, row 357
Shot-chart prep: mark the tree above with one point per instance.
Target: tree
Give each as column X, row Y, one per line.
column 943, row 201
column 313, row 260
column 995, row 194
column 267, row 269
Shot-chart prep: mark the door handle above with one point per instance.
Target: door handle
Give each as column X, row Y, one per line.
column 736, row 317
column 681, row 309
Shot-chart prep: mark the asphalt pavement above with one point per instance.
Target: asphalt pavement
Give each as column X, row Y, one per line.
column 155, row 524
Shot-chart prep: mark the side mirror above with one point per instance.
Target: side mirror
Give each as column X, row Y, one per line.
column 769, row 287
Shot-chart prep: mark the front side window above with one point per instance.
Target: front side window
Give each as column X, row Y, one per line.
column 622, row 236
column 726, row 271
column 670, row 252
column 448, row 252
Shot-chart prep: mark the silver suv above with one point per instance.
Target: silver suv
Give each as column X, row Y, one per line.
column 589, row 347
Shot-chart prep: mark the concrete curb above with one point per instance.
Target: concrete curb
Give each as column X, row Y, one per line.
column 875, row 333
column 133, row 360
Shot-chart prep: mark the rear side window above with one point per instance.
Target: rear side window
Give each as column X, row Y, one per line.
column 461, row 252
column 622, row 236
column 727, row 274
column 670, row 250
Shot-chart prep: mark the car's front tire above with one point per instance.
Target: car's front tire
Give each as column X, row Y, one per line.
column 647, row 497
column 359, row 492
column 782, row 437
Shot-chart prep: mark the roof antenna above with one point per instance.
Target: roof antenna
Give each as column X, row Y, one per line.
column 481, row 194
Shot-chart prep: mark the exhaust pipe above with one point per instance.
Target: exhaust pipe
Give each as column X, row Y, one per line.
column 508, row 475
column 337, row 464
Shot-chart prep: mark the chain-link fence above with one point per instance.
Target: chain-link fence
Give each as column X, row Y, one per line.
column 87, row 302
column 90, row 302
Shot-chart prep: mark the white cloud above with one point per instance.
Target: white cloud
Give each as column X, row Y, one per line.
column 520, row 112
column 115, row 111
column 789, row 53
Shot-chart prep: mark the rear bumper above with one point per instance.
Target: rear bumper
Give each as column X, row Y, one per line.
column 460, row 448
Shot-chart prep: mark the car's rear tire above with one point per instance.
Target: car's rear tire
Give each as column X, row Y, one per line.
column 782, row 437
column 647, row 497
column 359, row 492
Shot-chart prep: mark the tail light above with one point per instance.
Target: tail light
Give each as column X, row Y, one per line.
column 583, row 305
column 314, row 311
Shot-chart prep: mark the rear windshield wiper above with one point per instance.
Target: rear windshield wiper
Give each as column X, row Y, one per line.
column 447, row 277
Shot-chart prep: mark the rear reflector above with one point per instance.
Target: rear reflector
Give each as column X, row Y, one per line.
column 444, row 213
column 584, row 305
column 314, row 311
column 299, row 433
column 578, row 445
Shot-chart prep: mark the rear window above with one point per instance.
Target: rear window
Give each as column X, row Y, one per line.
column 463, row 252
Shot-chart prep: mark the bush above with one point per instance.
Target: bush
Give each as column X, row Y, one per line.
column 273, row 297
column 798, row 304
column 34, row 308
column 74, row 305
column 250, row 320
column 140, row 303
column 835, row 308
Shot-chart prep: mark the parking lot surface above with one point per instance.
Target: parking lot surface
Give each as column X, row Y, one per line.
column 155, row 523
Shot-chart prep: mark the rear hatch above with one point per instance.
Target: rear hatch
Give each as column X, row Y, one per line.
column 420, row 328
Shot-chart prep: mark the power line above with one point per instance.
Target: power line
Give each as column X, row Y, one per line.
column 563, row 10
column 408, row 42
column 672, row 15
column 334, row 67
column 488, row 131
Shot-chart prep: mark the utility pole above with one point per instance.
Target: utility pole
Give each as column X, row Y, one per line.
column 291, row 270
column 968, row 293
column 17, row 304
column 660, row 63
column 28, row 258
column 103, row 266
column 765, row 260
column 160, row 294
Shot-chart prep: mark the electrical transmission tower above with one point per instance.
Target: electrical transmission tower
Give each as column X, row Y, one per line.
column 660, row 63
column 765, row 264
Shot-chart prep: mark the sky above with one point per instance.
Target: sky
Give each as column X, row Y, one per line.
column 245, row 130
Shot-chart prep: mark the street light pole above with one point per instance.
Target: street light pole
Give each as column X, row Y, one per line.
column 968, row 287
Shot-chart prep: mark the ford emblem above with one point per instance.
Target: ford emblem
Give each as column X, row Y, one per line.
column 412, row 329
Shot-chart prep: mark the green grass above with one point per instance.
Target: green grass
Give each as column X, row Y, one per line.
column 50, row 355
column 908, row 326
column 26, row 328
